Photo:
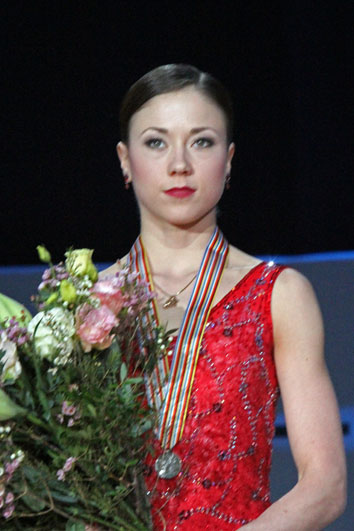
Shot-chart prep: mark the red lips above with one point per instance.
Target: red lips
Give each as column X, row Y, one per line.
column 182, row 192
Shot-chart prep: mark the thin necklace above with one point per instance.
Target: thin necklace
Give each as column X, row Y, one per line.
column 173, row 299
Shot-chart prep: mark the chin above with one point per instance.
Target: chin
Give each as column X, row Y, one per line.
column 187, row 222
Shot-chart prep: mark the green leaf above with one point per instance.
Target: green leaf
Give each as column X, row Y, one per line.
column 33, row 503
column 132, row 462
column 65, row 498
column 92, row 410
column 126, row 394
column 32, row 474
column 11, row 308
column 8, row 408
column 123, row 372
column 113, row 353
column 135, row 380
column 74, row 526
column 28, row 400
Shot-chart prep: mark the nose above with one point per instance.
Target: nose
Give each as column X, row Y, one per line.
column 179, row 163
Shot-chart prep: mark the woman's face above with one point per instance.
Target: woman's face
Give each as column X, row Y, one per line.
column 177, row 157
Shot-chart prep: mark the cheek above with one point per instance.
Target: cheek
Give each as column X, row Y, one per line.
column 141, row 170
column 143, row 167
column 214, row 169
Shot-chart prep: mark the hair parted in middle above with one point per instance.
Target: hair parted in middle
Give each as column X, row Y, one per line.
column 170, row 78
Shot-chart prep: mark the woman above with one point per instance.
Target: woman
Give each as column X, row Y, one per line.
column 245, row 327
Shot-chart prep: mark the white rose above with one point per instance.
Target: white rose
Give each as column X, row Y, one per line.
column 52, row 333
column 11, row 369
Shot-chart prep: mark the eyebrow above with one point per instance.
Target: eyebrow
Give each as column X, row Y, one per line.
column 193, row 131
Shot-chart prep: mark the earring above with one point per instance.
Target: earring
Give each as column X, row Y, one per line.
column 228, row 181
column 126, row 181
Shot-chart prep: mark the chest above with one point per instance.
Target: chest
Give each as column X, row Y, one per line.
column 236, row 353
column 172, row 316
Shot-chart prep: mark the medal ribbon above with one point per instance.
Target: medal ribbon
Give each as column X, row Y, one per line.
column 138, row 263
column 174, row 405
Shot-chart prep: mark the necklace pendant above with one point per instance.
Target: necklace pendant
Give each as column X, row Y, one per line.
column 171, row 302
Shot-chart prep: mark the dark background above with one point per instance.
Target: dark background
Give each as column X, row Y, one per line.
column 66, row 66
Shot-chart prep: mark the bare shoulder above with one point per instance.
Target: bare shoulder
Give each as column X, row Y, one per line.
column 296, row 313
column 292, row 288
column 237, row 266
column 114, row 268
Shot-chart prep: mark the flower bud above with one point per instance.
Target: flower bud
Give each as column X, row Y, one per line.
column 79, row 262
column 44, row 254
column 67, row 291
column 8, row 408
column 92, row 272
column 52, row 298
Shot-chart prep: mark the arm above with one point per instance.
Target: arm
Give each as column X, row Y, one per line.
column 311, row 413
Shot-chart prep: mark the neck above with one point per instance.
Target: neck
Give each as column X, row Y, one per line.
column 176, row 250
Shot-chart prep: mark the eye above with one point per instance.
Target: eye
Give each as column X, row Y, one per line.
column 155, row 143
column 204, row 142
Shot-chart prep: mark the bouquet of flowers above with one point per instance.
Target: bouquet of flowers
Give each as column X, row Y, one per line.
column 74, row 422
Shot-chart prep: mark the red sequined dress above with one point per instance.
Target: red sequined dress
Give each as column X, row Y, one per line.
column 227, row 441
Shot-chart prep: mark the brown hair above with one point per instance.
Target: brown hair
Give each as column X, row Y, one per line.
column 169, row 78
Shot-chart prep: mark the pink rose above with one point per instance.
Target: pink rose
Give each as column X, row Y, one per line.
column 94, row 326
column 109, row 294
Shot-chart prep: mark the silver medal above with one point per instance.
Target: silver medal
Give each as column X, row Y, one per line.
column 168, row 465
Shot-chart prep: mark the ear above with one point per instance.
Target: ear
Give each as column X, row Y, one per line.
column 123, row 155
column 230, row 154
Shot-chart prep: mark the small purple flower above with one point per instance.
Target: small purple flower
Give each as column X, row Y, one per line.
column 62, row 276
column 46, row 274
column 68, row 409
column 72, row 420
column 9, row 498
column 61, row 474
column 8, row 511
column 16, row 333
column 133, row 300
column 132, row 276
column 22, row 340
column 10, row 469
column 69, row 463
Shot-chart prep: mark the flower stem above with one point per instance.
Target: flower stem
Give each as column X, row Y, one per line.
column 138, row 526
column 38, row 422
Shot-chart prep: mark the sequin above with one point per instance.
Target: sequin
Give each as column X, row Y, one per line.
column 227, row 441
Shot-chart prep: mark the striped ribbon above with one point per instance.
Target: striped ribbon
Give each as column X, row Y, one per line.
column 138, row 262
column 173, row 405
